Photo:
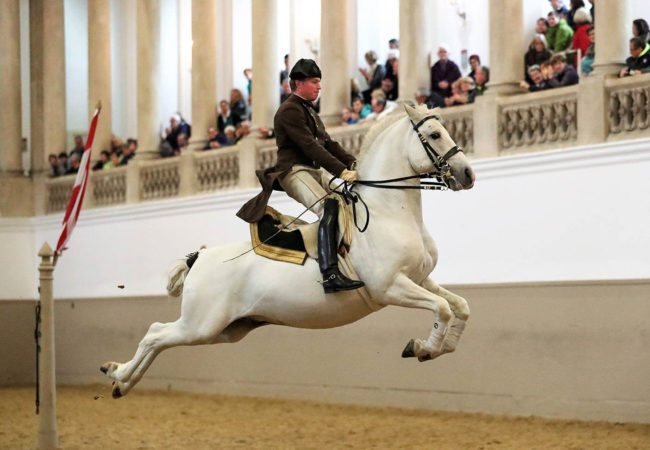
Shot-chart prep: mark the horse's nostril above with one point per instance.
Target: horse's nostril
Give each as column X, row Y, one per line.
column 470, row 174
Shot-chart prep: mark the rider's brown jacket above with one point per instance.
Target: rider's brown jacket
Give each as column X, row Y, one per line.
column 301, row 139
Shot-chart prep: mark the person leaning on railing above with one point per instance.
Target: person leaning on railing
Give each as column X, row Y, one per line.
column 565, row 74
column 639, row 60
column 539, row 83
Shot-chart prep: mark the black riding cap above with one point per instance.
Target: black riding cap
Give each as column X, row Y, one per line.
column 305, row 68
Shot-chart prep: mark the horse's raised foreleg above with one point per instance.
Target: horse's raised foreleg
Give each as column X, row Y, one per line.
column 405, row 292
column 460, row 309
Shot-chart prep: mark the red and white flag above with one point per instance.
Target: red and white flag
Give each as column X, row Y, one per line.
column 79, row 188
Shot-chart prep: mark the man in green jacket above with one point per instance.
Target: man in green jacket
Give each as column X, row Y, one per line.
column 558, row 34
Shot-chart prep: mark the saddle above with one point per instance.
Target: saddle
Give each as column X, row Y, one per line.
column 284, row 238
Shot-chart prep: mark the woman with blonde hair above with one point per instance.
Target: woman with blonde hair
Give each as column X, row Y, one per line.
column 374, row 75
column 536, row 55
column 238, row 106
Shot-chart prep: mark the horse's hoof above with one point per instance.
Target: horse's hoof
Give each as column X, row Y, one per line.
column 116, row 391
column 409, row 350
column 103, row 369
column 425, row 358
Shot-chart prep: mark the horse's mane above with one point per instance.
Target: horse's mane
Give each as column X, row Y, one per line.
column 386, row 123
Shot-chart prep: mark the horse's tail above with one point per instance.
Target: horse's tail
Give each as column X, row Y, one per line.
column 177, row 274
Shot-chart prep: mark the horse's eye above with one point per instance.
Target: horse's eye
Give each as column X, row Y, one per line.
column 435, row 135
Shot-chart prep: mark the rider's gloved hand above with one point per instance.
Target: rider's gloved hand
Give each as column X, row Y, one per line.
column 349, row 175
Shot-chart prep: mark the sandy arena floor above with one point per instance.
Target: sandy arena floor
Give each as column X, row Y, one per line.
column 157, row 420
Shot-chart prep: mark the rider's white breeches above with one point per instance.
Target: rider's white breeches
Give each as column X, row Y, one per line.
column 306, row 185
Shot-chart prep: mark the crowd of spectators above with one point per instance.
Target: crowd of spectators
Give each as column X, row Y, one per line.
column 68, row 163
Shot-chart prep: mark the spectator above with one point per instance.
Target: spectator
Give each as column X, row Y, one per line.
column 284, row 73
column 360, row 109
column 226, row 117
column 590, row 55
column 542, row 26
column 564, row 74
column 116, row 144
column 481, row 77
column 443, row 73
column 380, row 107
column 582, row 20
column 55, row 170
column 348, row 117
column 238, row 107
column 231, row 139
column 183, row 144
column 424, row 96
column 103, row 159
column 128, row 153
column 63, row 163
column 559, row 9
column 390, row 73
column 388, row 86
column 639, row 60
column 536, row 55
column 474, row 63
column 641, row 30
column 373, row 75
column 460, row 89
column 75, row 162
column 538, row 83
column 78, row 146
column 248, row 74
column 215, row 139
column 575, row 6
column 113, row 160
column 559, row 33
column 243, row 130
column 592, row 10
column 177, row 126
column 286, row 90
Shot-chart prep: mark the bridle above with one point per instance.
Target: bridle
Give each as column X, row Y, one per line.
column 442, row 175
column 442, row 172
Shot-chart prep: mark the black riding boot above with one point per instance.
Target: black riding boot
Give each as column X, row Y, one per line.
column 333, row 280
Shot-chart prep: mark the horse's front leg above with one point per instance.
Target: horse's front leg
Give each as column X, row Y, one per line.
column 405, row 292
column 460, row 309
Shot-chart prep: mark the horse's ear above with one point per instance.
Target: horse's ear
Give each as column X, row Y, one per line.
column 410, row 111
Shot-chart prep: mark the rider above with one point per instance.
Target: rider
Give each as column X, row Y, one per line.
column 305, row 154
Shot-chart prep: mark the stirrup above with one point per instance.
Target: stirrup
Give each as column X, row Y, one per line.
column 335, row 281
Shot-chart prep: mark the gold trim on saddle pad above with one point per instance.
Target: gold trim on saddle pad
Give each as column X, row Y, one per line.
column 272, row 252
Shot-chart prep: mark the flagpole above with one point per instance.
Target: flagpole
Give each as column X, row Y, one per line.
column 48, row 436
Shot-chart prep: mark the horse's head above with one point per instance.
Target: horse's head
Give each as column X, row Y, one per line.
column 437, row 150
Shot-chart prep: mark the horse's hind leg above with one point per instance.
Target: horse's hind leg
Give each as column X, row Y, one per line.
column 458, row 306
column 160, row 337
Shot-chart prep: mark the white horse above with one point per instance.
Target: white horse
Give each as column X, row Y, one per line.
column 394, row 258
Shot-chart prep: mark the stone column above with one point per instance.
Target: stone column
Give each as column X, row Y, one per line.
column 148, row 65
column 10, row 106
column 613, row 23
column 506, row 70
column 613, row 27
column 47, row 71
column 414, row 72
column 16, row 197
column 266, row 62
column 204, row 67
column 335, row 48
column 99, row 70
column 224, row 50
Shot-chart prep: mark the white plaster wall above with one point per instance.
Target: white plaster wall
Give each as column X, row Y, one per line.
column 548, row 216
column 169, row 41
column 75, row 17
column 19, row 275
column 377, row 23
column 305, row 30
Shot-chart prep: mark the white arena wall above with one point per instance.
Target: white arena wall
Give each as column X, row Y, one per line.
column 550, row 249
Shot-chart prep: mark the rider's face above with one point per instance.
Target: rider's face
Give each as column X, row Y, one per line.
column 308, row 89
